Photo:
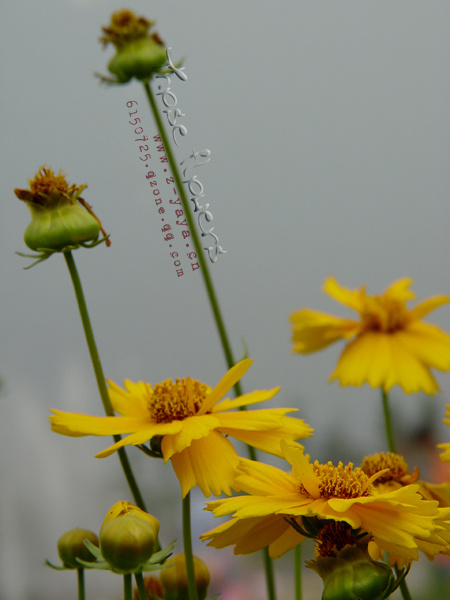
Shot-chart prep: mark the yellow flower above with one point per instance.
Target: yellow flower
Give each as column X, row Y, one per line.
column 397, row 476
column 389, row 343
column 191, row 425
column 314, row 497
column 445, row 457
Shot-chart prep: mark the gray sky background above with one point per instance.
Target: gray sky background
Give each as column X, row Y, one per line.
column 329, row 132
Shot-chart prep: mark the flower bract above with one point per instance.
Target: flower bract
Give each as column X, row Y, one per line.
column 388, row 344
column 192, row 424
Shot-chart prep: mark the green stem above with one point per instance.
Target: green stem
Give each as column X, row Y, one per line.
column 391, row 445
column 214, row 302
column 141, row 586
column 388, row 421
column 101, row 382
column 127, row 587
column 81, row 591
column 298, row 571
column 195, row 237
column 270, row 579
column 187, row 543
column 404, row 588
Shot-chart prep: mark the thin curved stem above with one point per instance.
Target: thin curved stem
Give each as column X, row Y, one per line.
column 81, row 590
column 388, row 421
column 98, row 370
column 214, row 302
column 187, row 544
column 404, row 589
column 298, row 571
column 220, row 323
column 270, row 579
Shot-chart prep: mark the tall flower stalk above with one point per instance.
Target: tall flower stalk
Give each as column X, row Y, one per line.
column 138, row 54
column 100, row 378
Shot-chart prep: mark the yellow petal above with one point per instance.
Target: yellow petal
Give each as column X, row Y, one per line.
column 131, row 402
column 379, row 359
column 427, row 343
column 140, row 437
column 426, row 306
column 302, row 470
column 192, row 428
column 445, row 456
column 76, row 425
column 245, row 400
column 253, row 420
column 225, row 384
column 350, row 298
column 285, row 542
column 399, row 290
column 313, row 330
column 264, row 480
column 213, row 462
column 269, row 440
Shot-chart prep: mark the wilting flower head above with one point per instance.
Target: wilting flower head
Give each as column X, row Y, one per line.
column 389, row 343
column 190, row 426
column 396, row 476
column 60, row 218
column 138, row 54
column 282, row 509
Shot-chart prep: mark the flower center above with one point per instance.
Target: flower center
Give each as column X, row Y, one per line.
column 176, row 401
column 45, row 181
column 340, row 481
column 398, row 468
column 124, row 27
column 334, row 536
column 382, row 313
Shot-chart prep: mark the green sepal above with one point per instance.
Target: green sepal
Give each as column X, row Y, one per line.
column 45, row 253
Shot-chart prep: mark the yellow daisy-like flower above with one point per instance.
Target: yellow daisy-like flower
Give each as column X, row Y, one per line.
column 445, row 457
column 191, row 425
column 318, row 495
column 389, row 343
column 397, row 476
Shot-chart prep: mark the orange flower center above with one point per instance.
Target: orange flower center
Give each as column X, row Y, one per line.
column 340, row 481
column 124, row 27
column 176, row 401
column 398, row 468
column 383, row 313
column 153, row 588
column 45, row 181
column 334, row 536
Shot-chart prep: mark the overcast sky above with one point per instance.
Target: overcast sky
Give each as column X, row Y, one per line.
column 329, row 131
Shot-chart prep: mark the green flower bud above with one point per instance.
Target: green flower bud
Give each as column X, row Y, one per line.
column 128, row 541
column 59, row 217
column 138, row 54
column 71, row 546
column 174, row 579
column 353, row 575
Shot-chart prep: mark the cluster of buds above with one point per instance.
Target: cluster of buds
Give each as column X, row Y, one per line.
column 128, row 543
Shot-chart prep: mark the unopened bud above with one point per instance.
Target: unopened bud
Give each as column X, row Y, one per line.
column 174, row 579
column 71, row 546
